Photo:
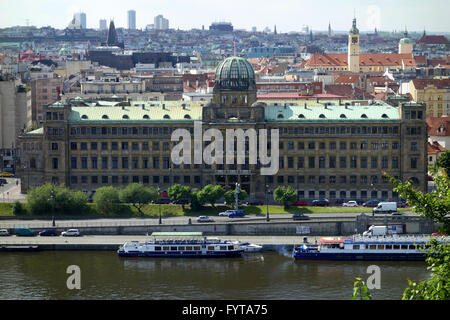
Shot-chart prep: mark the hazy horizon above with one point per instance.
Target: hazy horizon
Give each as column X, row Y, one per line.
column 287, row 15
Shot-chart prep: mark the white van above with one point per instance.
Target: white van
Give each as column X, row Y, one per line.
column 386, row 207
column 4, row 232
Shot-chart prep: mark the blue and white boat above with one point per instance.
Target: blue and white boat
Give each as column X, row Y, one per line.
column 181, row 245
column 373, row 248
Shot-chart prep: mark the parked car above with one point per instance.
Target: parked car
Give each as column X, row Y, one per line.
column 48, row 233
column 236, row 214
column 358, row 201
column 299, row 203
column 4, row 232
column 6, row 174
column 339, row 202
column 3, row 181
column 24, row 232
column 321, row 202
column 204, row 219
column 180, row 201
column 71, row 233
column 350, row 203
column 163, row 201
column 254, row 203
column 371, row 203
column 300, row 216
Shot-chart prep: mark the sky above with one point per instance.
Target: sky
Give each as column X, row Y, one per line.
column 287, row 15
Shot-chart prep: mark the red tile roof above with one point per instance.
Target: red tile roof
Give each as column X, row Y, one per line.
column 346, row 79
column 365, row 59
column 423, row 83
column 435, row 148
column 438, row 126
column 433, row 40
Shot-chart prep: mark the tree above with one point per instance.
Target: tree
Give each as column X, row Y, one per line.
column 285, row 195
column 106, row 200
column 433, row 205
column 50, row 199
column 229, row 196
column 196, row 200
column 211, row 194
column 444, row 160
column 18, row 208
column 138, row 195
column 179, row 192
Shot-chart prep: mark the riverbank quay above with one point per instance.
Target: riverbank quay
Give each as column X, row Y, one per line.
column 281, row 225
column 111, row 243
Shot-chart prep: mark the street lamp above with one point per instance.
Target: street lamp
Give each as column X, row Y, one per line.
column 159, row 207
column 267, row 203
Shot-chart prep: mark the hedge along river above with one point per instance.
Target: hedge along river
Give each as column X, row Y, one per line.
column 269, row 275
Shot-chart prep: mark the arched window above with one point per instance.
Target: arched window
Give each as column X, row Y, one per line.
column 280, row 116
column 125, row 116
column 342, row 116
column 364, row 116
column 384, row 115
column 166, row 116
column 322, row 116
column 186, row 116
column 84, row 116
column 105, row 116
column 146, row 116
column 301, row 116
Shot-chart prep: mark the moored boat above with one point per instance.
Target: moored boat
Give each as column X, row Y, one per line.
column 250, row 247
column 181, row 244
column 374, row 248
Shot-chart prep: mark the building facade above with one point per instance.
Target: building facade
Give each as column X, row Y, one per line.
column 434, row 92
column 332, row 150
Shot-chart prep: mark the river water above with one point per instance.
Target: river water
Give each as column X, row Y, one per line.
column 271, row 275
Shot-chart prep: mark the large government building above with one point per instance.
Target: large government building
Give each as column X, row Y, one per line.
column 332, row 149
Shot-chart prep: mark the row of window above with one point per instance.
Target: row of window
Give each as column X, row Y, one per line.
column 388, row 247
column 342, row 179
column 133, row 179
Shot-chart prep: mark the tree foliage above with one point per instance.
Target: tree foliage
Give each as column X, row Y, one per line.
column 444, row 160
column 284, row 195
column 138, row 195
column 229, row 196
column 179, row 192
column 50, row 199
column 210, row 194
column 106, row 200
column 360, row 290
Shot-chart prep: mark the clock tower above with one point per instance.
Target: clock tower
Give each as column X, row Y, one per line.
column 353, row 48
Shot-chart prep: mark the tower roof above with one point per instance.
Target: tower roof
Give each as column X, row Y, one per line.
column 112, row 35
column 354, row 29
column 234, row 73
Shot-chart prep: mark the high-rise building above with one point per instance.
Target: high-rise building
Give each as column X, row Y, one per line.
column 80, row 19
column 102, row 24
column 161, row 23
column 132, row 20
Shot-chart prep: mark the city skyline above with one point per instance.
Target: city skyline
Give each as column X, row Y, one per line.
column 287, row 15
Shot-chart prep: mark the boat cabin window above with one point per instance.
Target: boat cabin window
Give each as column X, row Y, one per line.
column 404, row 246
column 197, row 248
column 166, row 248
column 356, row 247
column 372, row 246
column 188, row 248
column 380, row 247
column 157, row 248
column 172, row 248
column 211, row 248
column 230, row 247
column 223, row 248
column 412, row 247
column 396, row 246
column 389, row 247
column 181, row 248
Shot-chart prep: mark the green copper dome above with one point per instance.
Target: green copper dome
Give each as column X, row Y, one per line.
column 234, row 73
column 405, row 39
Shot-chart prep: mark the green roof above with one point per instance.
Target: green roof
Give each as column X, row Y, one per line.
column 369, row 113
column 176, row 234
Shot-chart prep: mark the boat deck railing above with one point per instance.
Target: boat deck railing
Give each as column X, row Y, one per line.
column 399, row 238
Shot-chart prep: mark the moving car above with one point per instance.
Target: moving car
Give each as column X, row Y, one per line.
column 71, row 233
column 350, row 203
column 321, row 202
column 226, row 213
column 4, row 232
column 300, row 216
column 236, row 214
column 204, row 219
column 386, row 207
column 48, row 233
column 299, row 203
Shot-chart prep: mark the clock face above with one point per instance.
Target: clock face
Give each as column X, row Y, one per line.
column 354, row 39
